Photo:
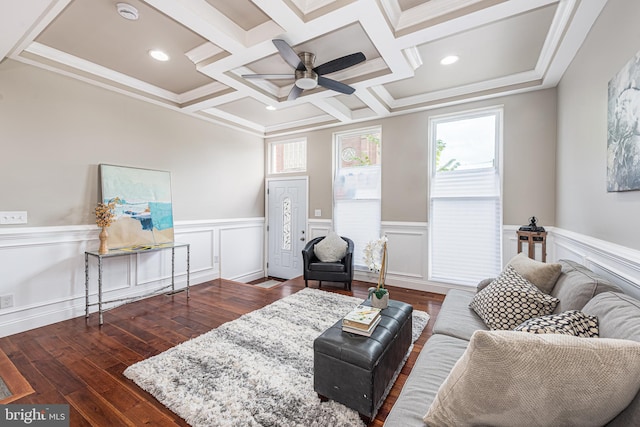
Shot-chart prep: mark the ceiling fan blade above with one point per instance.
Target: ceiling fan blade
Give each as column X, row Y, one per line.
column 268, row 76
column 335, row 85
column 289, row 54
column 340, row 63
column 295, row 93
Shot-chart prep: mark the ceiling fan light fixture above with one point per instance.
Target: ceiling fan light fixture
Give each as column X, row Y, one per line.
column 127, row 11
column 307, row 83
column 448, row 60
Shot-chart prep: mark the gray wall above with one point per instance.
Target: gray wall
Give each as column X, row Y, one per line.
column 54, row 131
column 583, row 204
column 529, row 160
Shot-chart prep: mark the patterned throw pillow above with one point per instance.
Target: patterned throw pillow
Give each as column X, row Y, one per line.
column 510, row 300
column 572, row 322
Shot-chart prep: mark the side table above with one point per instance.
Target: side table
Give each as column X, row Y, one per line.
column 531, row 238
column 130, row 251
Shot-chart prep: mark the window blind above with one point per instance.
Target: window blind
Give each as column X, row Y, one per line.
column 357, row 207
column 465, row 226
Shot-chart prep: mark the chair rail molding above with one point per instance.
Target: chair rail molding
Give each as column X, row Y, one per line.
column 619, row 264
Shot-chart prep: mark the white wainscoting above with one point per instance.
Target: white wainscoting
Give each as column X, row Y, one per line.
column 618, row 264
column 242, row 251
column 43, row 267
column 318, row 227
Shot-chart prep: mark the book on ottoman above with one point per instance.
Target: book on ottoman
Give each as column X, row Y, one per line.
column 362, row 319
column 366, row 332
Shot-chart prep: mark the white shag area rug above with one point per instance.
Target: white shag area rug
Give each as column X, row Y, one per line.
column 256, row 370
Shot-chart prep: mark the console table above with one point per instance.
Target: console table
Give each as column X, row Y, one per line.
column 130, row 251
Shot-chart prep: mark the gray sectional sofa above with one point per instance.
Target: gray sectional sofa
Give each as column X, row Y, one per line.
column 577, row 288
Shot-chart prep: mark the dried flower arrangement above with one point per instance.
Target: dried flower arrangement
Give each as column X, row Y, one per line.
column 105, row 214
column 375, row 258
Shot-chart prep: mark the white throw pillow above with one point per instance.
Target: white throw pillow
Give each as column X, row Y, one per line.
column 331, row 249
column 508, row 378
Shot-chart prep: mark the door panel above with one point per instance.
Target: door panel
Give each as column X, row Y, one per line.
column 287, row 204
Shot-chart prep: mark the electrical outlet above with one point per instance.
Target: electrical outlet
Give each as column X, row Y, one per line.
column 13, row 217
column 6, row 301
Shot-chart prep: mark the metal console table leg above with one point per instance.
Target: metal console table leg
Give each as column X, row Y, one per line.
column 131, row 251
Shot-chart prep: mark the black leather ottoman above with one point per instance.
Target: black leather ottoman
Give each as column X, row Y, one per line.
column 356, row 370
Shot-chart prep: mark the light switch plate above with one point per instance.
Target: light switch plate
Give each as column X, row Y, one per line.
column 13, row 217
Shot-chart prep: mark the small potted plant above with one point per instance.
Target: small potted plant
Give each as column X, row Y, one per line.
column 375, row 258
column 104, row 218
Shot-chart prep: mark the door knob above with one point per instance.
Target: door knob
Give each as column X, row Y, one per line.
column 302, row 239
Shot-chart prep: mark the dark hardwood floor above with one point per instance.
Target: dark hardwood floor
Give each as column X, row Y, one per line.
column 79, row 363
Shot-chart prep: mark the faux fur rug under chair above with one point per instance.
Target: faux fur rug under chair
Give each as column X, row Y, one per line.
column 256, row 370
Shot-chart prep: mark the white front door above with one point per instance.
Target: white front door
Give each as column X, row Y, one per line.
column 286, row 226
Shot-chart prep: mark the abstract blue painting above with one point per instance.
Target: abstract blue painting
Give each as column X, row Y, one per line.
column 144, row 213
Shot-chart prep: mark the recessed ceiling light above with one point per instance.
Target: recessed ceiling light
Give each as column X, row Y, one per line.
column 158, row 55
column 448, row 60
column 270, row 107
column 127, row 11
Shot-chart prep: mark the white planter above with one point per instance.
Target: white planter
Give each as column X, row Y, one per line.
column 380, row 302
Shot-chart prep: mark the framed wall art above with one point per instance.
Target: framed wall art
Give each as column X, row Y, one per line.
column 623, row 128
column 144, row 211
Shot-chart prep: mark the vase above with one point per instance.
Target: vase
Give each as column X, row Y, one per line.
column 104, row 249
column 380, row 303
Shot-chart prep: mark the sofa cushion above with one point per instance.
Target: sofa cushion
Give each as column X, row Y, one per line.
column 331, row 249
column 618, row 315
column 504, row 378
column 577, row 285
column 572, row 322
column 456, row 318
column 335, row 267
column 510, row 300
column 432, row 366
column 541, row 274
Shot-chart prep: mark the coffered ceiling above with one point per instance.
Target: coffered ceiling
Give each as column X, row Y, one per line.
column 503, row 46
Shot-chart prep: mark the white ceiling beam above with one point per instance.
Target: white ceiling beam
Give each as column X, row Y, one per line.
column 332, row 106
column 583, row 19
column 99, row 71
column 235, row 119
column 373, row 102
column 281, row 14
column 200, row 17
column 21, row 22
column 466, row 22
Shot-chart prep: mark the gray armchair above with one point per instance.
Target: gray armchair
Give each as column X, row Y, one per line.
column 340, row 271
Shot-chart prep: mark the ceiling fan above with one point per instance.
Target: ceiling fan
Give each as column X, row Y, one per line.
column 307, row 76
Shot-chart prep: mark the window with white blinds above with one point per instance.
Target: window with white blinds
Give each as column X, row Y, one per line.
column 465, row 197
column 357, row 187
